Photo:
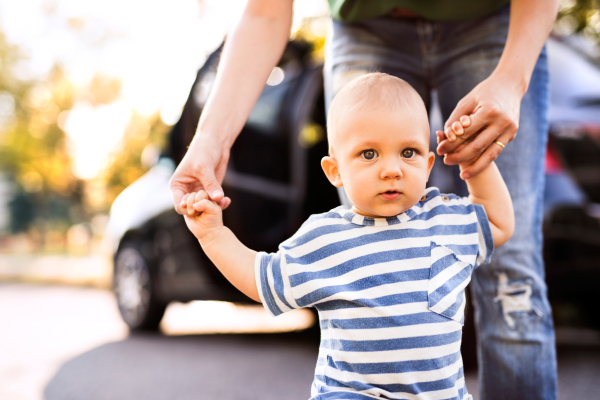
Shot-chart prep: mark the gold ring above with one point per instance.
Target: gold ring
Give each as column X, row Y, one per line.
column 499, row 144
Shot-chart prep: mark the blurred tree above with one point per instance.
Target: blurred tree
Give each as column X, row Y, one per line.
column 137, row 152
column 32, row 146
column 34, row 150
column 580, row 17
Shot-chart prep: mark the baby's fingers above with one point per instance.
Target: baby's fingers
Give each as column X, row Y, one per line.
column 441, row 136
column 458, row 128
column 183, row 203
column 454, row 130
column 201, row 195
column 190, row 203
column 207, row 206
column 465, row 121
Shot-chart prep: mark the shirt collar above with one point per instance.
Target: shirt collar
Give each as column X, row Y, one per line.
column 406, row 216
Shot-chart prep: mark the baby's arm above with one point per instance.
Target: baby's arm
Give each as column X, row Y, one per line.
column 234, row 260
column 488, row 189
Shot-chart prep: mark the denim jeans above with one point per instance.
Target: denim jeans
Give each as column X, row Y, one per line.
column 516, row 349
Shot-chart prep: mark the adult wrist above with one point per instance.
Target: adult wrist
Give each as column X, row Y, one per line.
column 202, row 137
column 517, row 80
column 218, row 127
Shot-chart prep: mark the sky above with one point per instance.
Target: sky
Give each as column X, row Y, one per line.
column 154, row 46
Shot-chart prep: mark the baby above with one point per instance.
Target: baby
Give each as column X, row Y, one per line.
column 387, row 276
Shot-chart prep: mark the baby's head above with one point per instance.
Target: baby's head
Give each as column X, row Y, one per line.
column 378, row 135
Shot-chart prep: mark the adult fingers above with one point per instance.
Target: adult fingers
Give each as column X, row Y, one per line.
column 442, row 140
column 181, row 185
column 211, row 184
column 447, row 147
column 224, row 202
column 197, row 171
column 473, row 148
column 488, row 156
column 178, row 194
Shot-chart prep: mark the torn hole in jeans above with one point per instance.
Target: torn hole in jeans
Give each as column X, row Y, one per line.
column 514, row 297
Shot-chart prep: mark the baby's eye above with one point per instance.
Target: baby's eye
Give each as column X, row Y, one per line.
column 369, row 154
column 409, row 153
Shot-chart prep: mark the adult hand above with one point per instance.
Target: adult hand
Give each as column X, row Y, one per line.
column 202, row 168
column 493, row 107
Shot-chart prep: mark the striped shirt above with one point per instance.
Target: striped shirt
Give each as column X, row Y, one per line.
column 389, row 292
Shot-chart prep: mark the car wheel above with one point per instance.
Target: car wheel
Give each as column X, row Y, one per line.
column 134, row 289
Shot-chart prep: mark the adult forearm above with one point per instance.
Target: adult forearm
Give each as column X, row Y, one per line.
column 251, row 51
column 530, row 25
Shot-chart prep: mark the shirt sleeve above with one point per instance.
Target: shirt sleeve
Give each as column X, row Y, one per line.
column 278, row 274
column 271, row 274
column 272, row 283
column 486, row 241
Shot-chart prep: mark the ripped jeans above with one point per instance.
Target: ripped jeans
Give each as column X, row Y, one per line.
column 516, row 349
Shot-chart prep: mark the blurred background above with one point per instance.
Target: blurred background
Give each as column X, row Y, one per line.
column 99, row 303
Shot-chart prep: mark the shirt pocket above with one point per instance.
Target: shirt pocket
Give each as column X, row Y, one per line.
column 448, row 278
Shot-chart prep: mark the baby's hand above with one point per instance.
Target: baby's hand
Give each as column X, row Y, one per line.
column 205, row 216
column 456, row 129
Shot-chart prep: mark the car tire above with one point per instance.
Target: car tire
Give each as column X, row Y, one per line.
column 135, row 290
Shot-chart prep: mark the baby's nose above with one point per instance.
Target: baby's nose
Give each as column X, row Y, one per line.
column 391, row 171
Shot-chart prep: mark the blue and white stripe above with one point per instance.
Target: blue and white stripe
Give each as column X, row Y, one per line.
column 390, row 295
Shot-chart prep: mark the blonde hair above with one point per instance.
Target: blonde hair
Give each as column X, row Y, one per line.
column 370, row 92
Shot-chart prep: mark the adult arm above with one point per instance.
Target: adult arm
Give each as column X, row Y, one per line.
column 494, row 104
column 252, row 49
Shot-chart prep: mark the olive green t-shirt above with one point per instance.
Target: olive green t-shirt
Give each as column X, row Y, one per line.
column 436, row 10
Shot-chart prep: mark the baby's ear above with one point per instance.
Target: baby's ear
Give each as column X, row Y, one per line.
column 430, row 161
column 330, row 167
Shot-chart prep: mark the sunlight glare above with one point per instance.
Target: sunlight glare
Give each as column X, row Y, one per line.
column 93, row 133
column 207, row 317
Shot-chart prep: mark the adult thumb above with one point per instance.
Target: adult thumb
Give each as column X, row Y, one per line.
column 212, row 186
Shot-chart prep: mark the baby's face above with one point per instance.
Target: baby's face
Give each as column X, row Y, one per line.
column 382, row 160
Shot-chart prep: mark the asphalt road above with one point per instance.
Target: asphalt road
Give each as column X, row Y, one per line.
column 63, row 343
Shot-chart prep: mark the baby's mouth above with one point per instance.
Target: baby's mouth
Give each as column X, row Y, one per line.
column 390, row 195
